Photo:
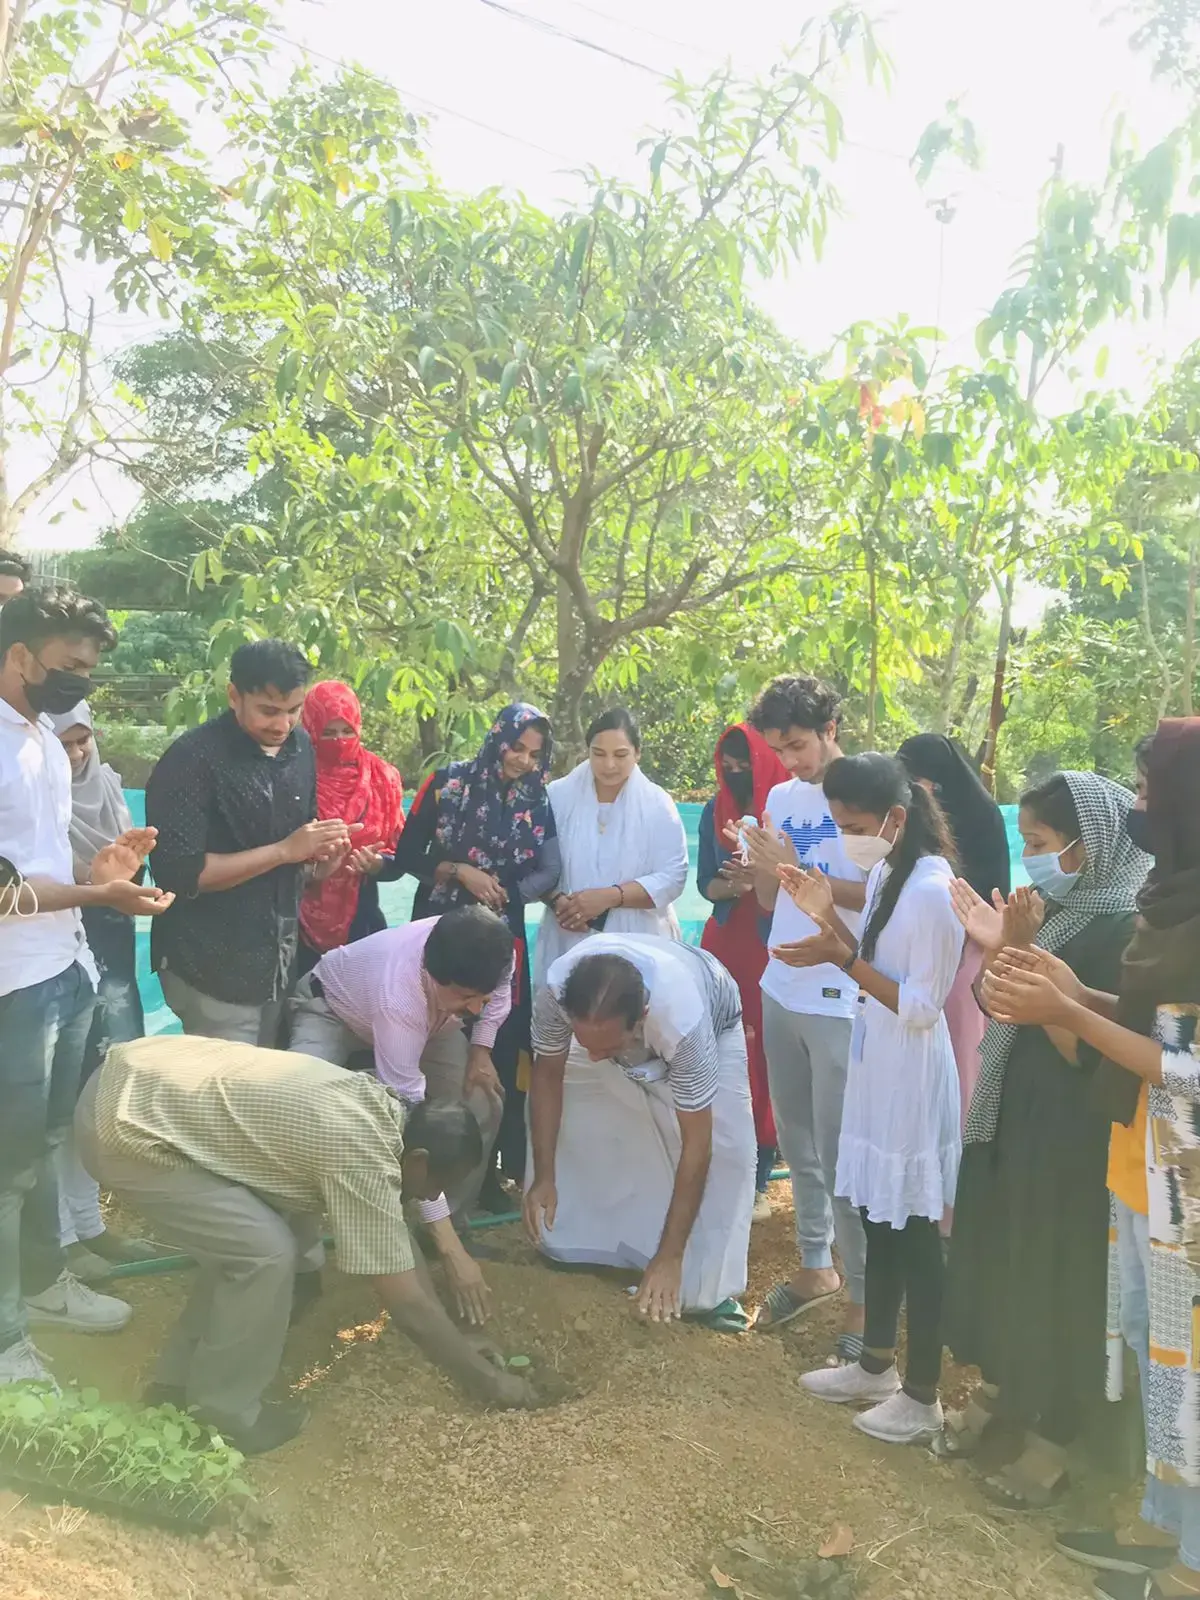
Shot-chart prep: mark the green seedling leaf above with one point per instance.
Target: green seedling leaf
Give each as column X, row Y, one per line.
column 518, row 1363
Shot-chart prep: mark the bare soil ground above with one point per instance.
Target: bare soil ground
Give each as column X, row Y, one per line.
column 677, row 1445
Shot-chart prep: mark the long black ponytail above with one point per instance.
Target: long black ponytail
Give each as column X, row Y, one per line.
column 875, row 783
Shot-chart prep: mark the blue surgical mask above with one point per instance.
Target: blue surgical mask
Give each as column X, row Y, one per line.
column 1047, row 876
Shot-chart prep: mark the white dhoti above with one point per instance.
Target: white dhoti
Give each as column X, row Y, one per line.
column 618, row 1151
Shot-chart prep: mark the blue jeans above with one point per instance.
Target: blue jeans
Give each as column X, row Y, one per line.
column 1174, row 1508
column 44, row 1030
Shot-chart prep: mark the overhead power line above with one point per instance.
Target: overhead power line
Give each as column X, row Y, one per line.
column 541, row 25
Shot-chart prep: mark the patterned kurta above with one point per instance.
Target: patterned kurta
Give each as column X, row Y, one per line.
column 1172, row 1405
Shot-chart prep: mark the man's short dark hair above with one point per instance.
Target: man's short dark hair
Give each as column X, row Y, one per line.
column 268, row 664
column 53, row 611
column 14, row 566
column 601, row 988
column 796, row 701
column 1141, row 751
column 470, row 947
column 448, row 1133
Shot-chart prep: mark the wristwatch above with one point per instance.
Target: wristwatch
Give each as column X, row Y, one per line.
column 850, row 959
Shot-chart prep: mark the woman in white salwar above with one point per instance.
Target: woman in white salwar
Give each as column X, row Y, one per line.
column 623, row 846
column 900, row 1143
column 643, row 1135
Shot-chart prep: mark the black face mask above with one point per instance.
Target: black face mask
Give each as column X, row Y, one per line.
column 1137, row 826
column 58, row 692
column 741, row 787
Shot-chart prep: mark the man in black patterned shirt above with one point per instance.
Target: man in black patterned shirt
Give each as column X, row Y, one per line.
column 235, row 802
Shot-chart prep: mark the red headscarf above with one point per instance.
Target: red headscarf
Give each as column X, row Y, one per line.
column 766, row 769
column 356, row 786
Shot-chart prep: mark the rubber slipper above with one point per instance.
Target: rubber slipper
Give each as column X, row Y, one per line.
column 728, row 1317
column 783, row 1305
column 847, row 1349
column 1030, row 1497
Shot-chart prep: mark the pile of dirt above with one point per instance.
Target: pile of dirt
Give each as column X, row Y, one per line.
column 674, row 1452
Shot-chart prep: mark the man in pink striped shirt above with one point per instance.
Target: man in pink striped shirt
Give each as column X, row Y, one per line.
column 405, row 993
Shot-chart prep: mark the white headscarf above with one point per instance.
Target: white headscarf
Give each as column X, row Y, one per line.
column 643, row 838
column 98, row 810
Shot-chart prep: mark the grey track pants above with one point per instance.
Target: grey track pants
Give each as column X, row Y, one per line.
column 807, row 1059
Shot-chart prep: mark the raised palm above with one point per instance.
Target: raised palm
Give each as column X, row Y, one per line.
column 125, row 857
column 982, row 922
column 1024, row 914
column 810, row 891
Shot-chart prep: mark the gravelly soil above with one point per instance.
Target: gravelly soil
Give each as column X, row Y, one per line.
column 677, row 1444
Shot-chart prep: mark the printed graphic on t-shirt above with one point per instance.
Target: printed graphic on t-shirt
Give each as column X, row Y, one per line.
column 805, row 836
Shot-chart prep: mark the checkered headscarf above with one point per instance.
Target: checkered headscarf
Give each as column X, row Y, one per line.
column 1108, row 885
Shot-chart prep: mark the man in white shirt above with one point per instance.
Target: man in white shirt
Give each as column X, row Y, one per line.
column 50, row 639
column 808, row 1012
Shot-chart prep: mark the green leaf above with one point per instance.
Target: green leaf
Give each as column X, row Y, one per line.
column 133, row 216
column 579, row 249
column 657, row 157
column 508, row 378
column 425, row 364
column 285, row 378
column 161, row 247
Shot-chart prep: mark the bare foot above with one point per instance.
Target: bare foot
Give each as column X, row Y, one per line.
column 812, row 1281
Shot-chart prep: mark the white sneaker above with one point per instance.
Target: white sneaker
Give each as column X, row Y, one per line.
column 71, row 1304
column 851, row 1385
column 762, row 1208
column 23, row 1362
column 902, row 1420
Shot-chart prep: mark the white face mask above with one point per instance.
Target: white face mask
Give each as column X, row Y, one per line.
column 867, row 850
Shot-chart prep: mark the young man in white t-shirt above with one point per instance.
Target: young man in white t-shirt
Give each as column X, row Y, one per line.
column 50, row 640
column 808, row 1012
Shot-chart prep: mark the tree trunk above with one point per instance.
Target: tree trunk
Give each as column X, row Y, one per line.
column 943, row 717
column 1189, row 625
column 966, row 702
column 568, row 715
column 429, row 732
column 1000, row 678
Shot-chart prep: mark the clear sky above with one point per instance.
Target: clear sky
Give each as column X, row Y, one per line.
column 522, row 108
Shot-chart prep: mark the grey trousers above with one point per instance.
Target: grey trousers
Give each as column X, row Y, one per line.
column 317, row 1031
column 226, row 1347
column 807, row 1059
column 204, row 1014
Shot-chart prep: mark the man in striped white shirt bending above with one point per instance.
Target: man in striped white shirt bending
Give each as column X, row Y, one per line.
column 405, row 993
column 643, row 1137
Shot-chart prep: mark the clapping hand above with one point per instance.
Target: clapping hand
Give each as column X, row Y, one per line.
column 766, row 849
column 825, row 948
column 1024, row 914
column 1023, row 990
column 366, row 861
column 125, row 857
column 739, row 877
column 982, row 922
column 810, row 890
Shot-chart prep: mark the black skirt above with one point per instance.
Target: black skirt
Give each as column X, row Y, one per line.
column 1027, row 1283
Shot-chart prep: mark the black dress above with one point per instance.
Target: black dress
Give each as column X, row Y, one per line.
column 1026, row 1290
